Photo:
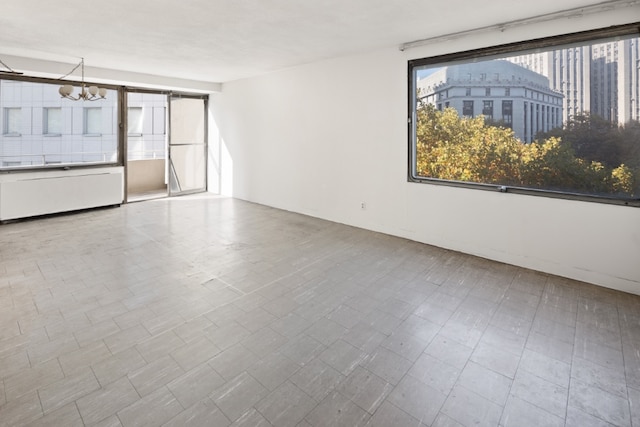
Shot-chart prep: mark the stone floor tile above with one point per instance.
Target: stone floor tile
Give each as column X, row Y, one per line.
column 159, row 346
column 273, row 370
column 554, row 348
column 68, row 390
column 600, row 354
column 365, row 389
column 389, row 415
column 387, row 365
column 599, row 403
column 326, row 331
column 417, row 399
column 545, row 367
column 195, row 385
column 364, row 337
column 433, row 312
column 42, row 352
column 286, row 406
column 238, row 395
column 382, row 322
column 256, row 319
column 96, row 332
column 84, row 357
column 485, row 382
column 185, row 312
column 610, row 380
column 317, row 379
column 345, row 316
column 107, row 401
column 449, row 351
column 290, row 325
column 471, row 409
column 152, row 376
column 253, row 418
column 520, row 413
column 21, row 410
column 443, row 420
column 343, row 357
column 231, row 362
column 634, row 403
column 195, row 353
column 203, row 413
column 264, row 341
column 435, row 373
column 14, row 363
column 32, row 379
column 540, row 392
column 67, row 416
column 550, row 328
column 515, row 324
column 115, row 367
column 496, row 359
column 126, row 338
column 337, row 411
column 578, row 418
column 153, row 409
column 405, row 345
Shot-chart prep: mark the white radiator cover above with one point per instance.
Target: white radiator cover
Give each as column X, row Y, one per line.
column 26, row 194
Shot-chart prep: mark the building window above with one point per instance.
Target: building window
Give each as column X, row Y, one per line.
column 52, row 121
column 93, row 121
column 134, row 121
column 532, row 151
column 507, row 113
column 487, row 110
column 12, row 121
column 467, row 108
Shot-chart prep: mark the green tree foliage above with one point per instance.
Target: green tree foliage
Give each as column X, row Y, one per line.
column 457, row 148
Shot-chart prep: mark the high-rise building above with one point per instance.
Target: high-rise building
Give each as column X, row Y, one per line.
column 503, row 92
column 599, row 79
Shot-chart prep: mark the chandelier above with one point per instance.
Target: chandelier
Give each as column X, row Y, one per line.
column 91, row 93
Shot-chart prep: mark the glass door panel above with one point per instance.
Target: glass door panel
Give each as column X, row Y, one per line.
column 187, row 145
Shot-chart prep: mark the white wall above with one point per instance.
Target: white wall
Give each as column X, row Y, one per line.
column 320, row 139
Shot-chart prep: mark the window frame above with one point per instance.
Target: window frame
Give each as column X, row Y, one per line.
column 140, row 118
column 496, row 51
column 86, row 113
column 117, row 96
column 45, row 121
column 6, row 112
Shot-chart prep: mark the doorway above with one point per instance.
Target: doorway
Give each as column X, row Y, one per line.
column 166, row 145
column 147, row 138
column 187, row 145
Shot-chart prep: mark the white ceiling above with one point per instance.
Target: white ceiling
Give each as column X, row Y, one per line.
column 223, row 40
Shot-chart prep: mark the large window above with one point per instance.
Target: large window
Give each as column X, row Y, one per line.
column 12, row 121
column 565, row 131
column 93, row 121
column 52, row 121
column 134, row 121
column 41, row 129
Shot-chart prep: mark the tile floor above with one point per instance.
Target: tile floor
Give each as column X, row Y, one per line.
column 209, row 311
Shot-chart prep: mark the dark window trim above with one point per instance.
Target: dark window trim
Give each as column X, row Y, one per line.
column 499, row 50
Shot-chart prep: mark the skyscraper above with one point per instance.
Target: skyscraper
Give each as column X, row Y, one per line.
column 599, row 79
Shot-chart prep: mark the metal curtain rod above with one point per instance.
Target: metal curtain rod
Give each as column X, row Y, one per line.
column 568, row 13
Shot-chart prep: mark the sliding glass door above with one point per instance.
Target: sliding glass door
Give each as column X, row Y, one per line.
column 187, row 145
